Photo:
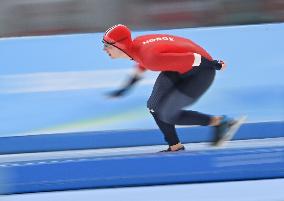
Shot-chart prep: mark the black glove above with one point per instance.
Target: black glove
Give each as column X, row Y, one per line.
column 122, row 91
column 117, row 93
column 216, row 64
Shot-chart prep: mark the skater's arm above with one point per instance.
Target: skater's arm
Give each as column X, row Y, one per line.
column 202, row 62
column 131, row 81
column 167, row 60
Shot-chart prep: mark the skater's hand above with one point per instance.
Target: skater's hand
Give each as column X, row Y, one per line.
column 219, row 64
column 125, row 88
column 224, row 65
column 116, row 94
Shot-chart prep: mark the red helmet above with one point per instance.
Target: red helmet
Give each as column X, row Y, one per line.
column 118, row 36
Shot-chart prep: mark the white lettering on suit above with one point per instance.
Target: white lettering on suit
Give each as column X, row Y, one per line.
column 158, row 39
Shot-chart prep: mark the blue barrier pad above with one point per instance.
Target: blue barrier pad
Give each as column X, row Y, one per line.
column 143, row 170
column 127, row 138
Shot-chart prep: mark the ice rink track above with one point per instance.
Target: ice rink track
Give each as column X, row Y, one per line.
column 141, row 166
column 257, row 190
column 128, row 151
column 256, row 152
column 128, row 138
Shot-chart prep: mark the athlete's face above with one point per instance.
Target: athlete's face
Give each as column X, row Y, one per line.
column 113, row 52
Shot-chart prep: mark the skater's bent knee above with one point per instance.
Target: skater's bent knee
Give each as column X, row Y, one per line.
column 165, row 116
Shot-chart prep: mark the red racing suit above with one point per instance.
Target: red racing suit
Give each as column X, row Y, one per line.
column 162, row 52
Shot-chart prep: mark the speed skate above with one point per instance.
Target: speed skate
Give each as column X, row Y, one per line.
column 230, row 128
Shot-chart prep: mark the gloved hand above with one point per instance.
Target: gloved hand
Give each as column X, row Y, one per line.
column 216, row 64
column 122, row 91
column 219, row 64
column 116, row 93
